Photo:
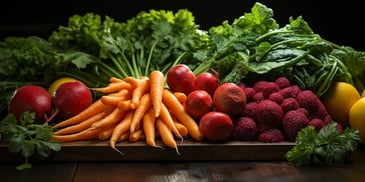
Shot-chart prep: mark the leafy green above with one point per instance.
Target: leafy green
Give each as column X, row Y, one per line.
column 92, row 49
column 254, row 47
column 326, row 147
column 153, row 40
column 26, row 139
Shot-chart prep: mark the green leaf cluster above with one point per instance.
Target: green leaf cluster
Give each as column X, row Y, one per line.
column 326, row 147
column 254, row 47
column 152, row 40
column 26, row 138
column 92, row 48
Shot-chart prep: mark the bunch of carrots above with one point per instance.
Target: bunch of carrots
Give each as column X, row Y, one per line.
column 132, row 109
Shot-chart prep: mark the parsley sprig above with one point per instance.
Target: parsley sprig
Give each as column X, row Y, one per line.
column 26, row 138
column 326, row 147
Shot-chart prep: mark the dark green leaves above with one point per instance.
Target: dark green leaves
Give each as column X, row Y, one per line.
column 26, row 138
column 326, row 147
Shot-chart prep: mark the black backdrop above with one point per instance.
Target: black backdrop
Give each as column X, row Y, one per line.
column 340, row 22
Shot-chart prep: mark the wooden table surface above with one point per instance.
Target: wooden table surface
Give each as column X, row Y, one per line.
column 279, row 170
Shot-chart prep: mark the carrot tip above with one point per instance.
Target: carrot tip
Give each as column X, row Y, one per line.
column 177, row 151
column 120, row 152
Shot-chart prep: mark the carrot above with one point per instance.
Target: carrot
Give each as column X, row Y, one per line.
column 93, row 109
column 125, row 93
column 136, row 136
column 124, row 105
column 111, row 100
column 109, row 120
column 133, row 81
column 107, row 109
column 183, row 131
column 166, row 117
column 143, row 107
column 142, row 88
column 181, row 97
column 106, row 134
column 124, row 137
column 80, row 126
column 115, row 79
column 83, row 135
column 149, row 128
column 121, row 128
column 113, row 87
column 114, row 99
column 157, row 83
column 177, row 109
column 166, row 135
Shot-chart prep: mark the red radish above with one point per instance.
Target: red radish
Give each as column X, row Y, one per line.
column 229, row 98
column 31, row 98
column 207, row 81
column 180, row 78
column 216, row 126
column 70, row 99
column 198, row 103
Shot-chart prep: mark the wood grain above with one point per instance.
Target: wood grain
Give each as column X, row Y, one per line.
column 139, row 151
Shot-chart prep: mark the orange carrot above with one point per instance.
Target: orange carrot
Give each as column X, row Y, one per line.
column 166, row 135
column 133, row 81
column 113, row 87
column 142, row 88
column 106, row 134
column 109, row 120
column 124, row 137
column 124, row 105
column 80, row 126
column 144, row 105
column 181, row 97
column 166, row 117
column 115, row 79
column 177, row 109
column 183, row 131
column 107, row 109
column 122, row 127
column 114, row 99
column 157, row 83
column 93, row 109
column 136, row 136
column 83, row 135
column 149, row 128
column 111, row 100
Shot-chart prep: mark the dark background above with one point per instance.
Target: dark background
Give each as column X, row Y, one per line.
column 340, row 22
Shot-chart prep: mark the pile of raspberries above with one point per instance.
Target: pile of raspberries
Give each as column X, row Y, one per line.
column 276, row 111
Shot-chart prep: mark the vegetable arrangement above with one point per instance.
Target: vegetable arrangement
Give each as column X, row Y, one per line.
column 126, row 65
column 132, row 109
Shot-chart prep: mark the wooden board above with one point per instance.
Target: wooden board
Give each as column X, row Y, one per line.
column 139, row 151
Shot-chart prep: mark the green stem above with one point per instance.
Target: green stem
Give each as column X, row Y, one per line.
column 128, row 64
column 146, row 71
column 117, row 64
column 203, row 66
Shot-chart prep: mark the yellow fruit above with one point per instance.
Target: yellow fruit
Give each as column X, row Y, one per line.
column 54, row 85
column 338, row 101
column 357, row 117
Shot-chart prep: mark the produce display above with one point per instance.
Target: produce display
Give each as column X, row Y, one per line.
column 159, row 77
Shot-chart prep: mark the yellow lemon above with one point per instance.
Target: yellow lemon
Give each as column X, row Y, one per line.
column 55, row 84
column 338, row 101
column 357, row 117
